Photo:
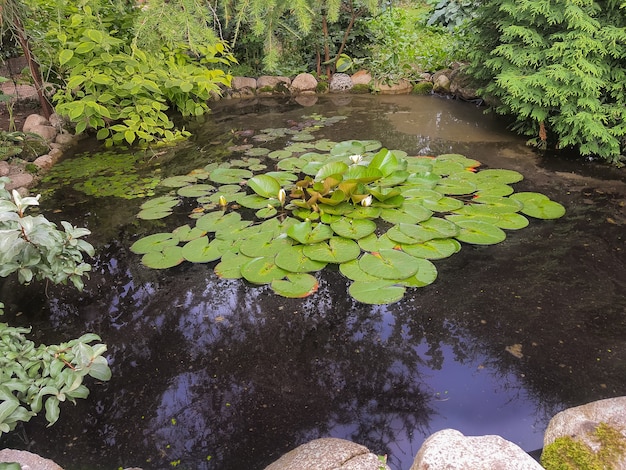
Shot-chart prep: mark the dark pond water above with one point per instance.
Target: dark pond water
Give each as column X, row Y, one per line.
column 218, row 374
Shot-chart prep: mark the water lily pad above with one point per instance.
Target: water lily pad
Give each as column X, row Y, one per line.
column 262, row 271
column 445, row 204
column 307, row 233
column 539, row 206
column 201, row 250
column 353, row 271
column 493, row 189
column 496, row 204
column 409, row 214
column 330, row 169
column 230, row 265
column 294, row 260
column 336, row 250
column 264, row 244
column 236, row 230
column 455, row 186
column 266, row 212
column 324, row 145
column 155, row 242
column 161, row 202
column 214, row 221
column 389, row 264
column 230, row 175
column 257, row 151
column 297, row 285
column 253, row 201
column 185, row 233
column 439, row 248
column 280, row 154
column 348, row 148
column 353, row 228
column 283, row 177
column 195, row 190
column 170, row 256
column 479, row 233
column 374, row 243
column 361, row 212
column 442, row 228
column 376, row 292
column 426, row 274
column 500, row 176
column 229, row 189
column 154, row 213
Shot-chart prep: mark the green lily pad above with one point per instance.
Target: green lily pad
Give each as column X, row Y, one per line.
column 376, row 292
column 306, row 233
column 389, row 264
column 230, row 175
column 445, row 204
column 539, row 206
column 353, row 228
column 266, row 212
column 170, row 256
column 412, row 214
column 161, row 202
column 353, row 271
column 336, row 250
column 426, row 274
column 296, row 286
column 500, row 176
column 283, row 177
column 493, row 189
column 214, row 221
column 330, row 169
column 279, row 154
column 257, row 151
column 452, row 186
column 496, row 204
column 324, row 145
column 154, row 213
column 439, row 248
column 291, row 164
column 479, row 233
column 154, row 243
column 236, row 230
column 294, row 260
column 195, row 190
column 253, row 201
column 229, row 189
column 185, row 233
column 230, row 265
column 373, row 243
column 264, row 185
column 262, row 271
column 348, row 148
column 201, row 250
column 264, row 244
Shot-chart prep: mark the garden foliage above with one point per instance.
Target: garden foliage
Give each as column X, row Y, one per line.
column 33, row 377
column 559, row 68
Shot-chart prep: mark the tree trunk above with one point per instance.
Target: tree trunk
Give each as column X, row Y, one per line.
column 20, row 34
column 326, row 46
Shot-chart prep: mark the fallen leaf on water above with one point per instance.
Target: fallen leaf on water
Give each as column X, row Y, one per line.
column 515, row 350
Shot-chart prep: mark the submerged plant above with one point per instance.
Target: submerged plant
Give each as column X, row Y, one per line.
column 379, row 214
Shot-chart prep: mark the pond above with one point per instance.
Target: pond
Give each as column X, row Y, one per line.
column 213, row 373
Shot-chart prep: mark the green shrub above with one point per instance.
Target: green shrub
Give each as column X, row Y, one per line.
column 32, row 377
column 559, row 68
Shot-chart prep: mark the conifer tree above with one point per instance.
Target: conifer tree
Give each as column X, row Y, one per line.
column 558, row 67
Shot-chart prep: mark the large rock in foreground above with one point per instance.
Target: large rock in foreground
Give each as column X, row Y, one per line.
column 591, row 435
column 451, row 450
column 328, row 454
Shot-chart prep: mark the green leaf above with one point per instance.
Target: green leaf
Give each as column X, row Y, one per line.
column 264, row 185
column 353, row 228
column 65, row 56
column 262, row 271
column 170, row 256
column 153, row 243
column 336, row 250
column 306, row 233
column 264, row 244
column 294, row 260
column 200, row 250
column 389, row 264
column 539, row 206
column 297, row 285
column 376, row 292
column 479, row 233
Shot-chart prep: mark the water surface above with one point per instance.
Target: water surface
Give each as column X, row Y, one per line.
column 219, row 374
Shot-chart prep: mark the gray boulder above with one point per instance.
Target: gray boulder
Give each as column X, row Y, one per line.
column 600, row 427
column 272, row 82
column 329, row 454
column 28, row 460
column 304, row 82
column 451, row 450
column 340, row 82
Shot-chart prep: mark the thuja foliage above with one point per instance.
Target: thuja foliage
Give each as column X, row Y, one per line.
column 34, row 377
column 122, row 73
column 559, row 67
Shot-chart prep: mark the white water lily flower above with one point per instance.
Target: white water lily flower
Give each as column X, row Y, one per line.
column 282, row 196
column 367, row 201
column 356, row 158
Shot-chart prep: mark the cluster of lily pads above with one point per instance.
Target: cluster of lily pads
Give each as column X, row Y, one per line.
column 379, row 214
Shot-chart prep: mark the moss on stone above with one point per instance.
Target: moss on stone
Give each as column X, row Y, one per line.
column 422, row 88
column 360, row 88
column 566, row 453
column 322, row 87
